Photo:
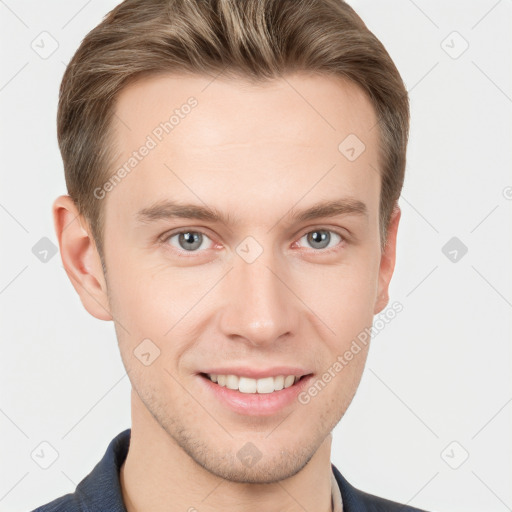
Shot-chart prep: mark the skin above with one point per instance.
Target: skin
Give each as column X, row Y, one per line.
column 253, row 152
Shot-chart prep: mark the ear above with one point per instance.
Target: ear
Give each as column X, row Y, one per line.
column 80, row 257
column 387, row 261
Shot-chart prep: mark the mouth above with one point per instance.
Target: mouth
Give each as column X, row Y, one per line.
column 253, row 391
column 248, row 385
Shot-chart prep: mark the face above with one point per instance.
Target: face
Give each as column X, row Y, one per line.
column 244, row 242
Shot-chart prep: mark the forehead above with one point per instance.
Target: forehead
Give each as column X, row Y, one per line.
column 233, row 108
column 226, row 138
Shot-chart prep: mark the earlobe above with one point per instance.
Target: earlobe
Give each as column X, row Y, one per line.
column 80, row 257
column 387, row 261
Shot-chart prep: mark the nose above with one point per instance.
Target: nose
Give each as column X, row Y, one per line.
column 259, row 308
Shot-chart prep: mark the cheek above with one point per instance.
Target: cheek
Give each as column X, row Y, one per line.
column 343, row 296
column 141, row 293
column 157, row 302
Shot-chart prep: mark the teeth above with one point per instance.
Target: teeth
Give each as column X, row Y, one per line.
column 232, row 382
column 288, row 381
column 247, row 385
column 279, row 383
column 265, row 385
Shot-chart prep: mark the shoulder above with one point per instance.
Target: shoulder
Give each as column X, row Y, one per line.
column 355, row 500
column 66, row 503
column 100, row 489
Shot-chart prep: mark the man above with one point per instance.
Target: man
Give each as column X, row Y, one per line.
column 233, row 171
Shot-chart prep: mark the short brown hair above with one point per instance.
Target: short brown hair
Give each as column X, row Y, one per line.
column 253, row 39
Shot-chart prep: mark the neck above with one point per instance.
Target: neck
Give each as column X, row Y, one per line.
column 159, row 475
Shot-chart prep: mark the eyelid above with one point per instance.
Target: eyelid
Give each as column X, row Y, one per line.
column 343, row 233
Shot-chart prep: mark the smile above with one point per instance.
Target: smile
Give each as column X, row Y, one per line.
column 249, row 385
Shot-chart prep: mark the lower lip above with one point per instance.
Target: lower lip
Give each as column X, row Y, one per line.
column 256, row 404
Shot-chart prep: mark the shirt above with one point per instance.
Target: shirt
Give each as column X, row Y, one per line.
column 100, row 490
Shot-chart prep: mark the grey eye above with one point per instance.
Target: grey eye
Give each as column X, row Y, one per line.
column 188, row 241
column 321, row 238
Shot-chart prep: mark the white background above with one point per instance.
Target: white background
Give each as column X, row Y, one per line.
column 440, row 372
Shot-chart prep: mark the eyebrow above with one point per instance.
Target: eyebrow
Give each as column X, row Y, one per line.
column 168, row 209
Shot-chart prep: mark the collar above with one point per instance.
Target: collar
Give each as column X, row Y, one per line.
column 336, row 500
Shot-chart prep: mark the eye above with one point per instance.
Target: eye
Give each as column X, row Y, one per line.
column 322, row 238
column 189, row 241
column 194, row 241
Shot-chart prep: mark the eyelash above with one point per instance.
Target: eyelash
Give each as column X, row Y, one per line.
column 167, row 236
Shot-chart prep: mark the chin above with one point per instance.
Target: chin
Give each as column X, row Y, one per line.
column 272, row 470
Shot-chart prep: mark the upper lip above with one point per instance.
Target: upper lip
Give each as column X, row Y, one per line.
column 255, row 373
